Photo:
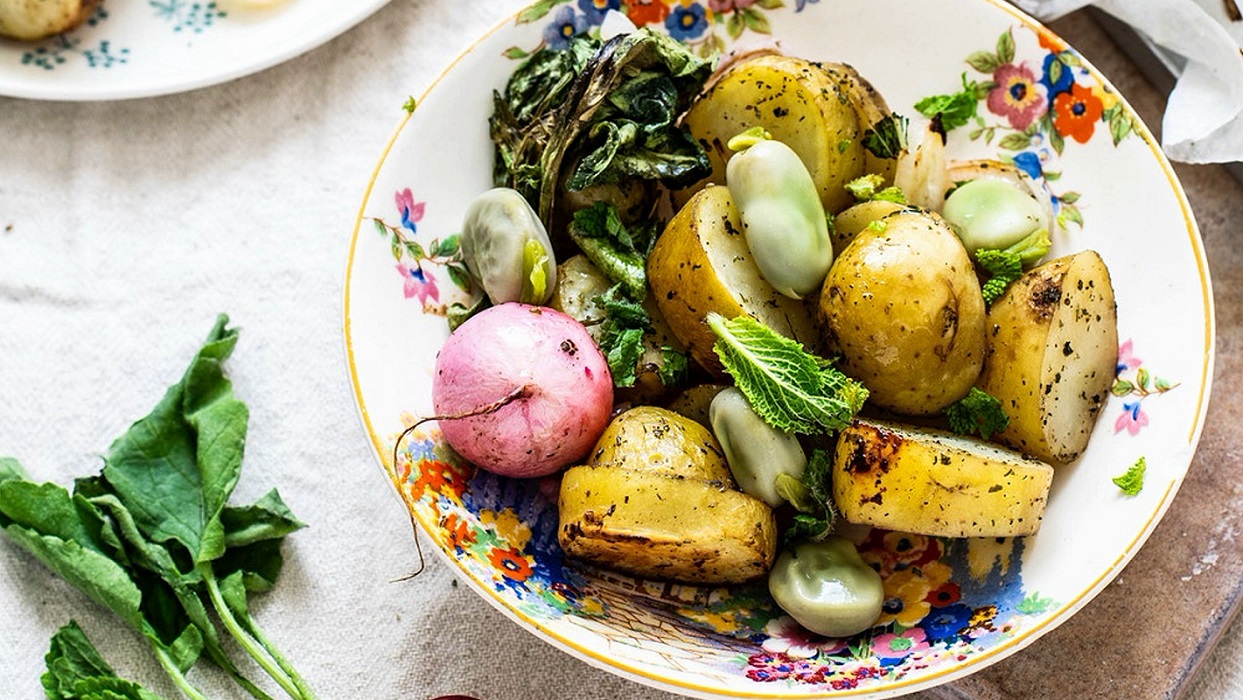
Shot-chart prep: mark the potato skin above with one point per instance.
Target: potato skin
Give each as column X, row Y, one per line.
column 1053, row 352
column 656, row 499
column 648, row 438
column 932, row 482
column 800, row 103
column 701, row 263
column 903, row 308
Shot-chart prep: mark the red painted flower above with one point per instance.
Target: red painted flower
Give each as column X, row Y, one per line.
column 457, row 532
column 1076, row 112
column 645, row 12
column 440, row 477
column 1019, row 96
column 514, row 565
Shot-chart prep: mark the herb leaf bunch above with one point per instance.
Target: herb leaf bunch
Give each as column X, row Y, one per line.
column 152, row 538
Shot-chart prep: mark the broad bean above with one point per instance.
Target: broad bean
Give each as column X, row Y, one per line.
column 827, row 587
column 506, row 248
column 756, row 452
column 782, row 217
column 992, row 214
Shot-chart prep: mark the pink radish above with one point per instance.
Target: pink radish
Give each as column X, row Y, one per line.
column 532, row 386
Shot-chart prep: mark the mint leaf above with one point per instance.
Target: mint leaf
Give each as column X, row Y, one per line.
column 790, row 388
column 1132, row 482
column 1003, row 268
column 956, row 109
column 977, row 413
column 864, row 189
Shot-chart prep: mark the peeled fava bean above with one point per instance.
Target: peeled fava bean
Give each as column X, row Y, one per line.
column 757, row 453
column 991, row 214
column 782, row 217
column 506, row 248
column 827, row 587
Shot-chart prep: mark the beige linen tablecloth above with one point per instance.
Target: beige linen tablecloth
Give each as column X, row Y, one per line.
column 124, row 228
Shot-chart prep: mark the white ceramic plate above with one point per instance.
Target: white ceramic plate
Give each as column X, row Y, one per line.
column 142, row 48
column 953, row 606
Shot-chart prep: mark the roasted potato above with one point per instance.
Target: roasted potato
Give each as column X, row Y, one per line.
column 1053, row 352
column 852, row 220
column 578, row 284
column 31, row 20
column 936, row 483
column 648, row 438
column 870, row 107
column 694, row 401
column 656, row 499
column 800, row 103
column 903, row 307
column 701, row 263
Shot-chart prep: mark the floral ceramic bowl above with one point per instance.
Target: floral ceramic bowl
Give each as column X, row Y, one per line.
column 953, row 606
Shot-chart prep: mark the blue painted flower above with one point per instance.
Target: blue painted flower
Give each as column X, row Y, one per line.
column 947, row 622
column 1029, row 163
column 565, row 24
column 800, row 4
column 1065, row 77
column 594, row 10
column 687, row 22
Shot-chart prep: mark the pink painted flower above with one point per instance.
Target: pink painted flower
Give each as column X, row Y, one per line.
column 1019, row 96
column 411, row 211
column 723, row 6
column 900, row 646
column 787, row 637
column 1126, row 360
column 1132, row 419
column 418, row 283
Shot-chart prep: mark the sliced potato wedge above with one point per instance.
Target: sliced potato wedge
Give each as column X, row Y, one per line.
column 1053, row 353
column 932, row 482
column 701, row 263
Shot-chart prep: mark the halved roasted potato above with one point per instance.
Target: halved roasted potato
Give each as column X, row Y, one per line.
column 701, row 263
column 800, row 103
column 1053, row 353
column 30, row 20
column 657, row 499
column 932, row 482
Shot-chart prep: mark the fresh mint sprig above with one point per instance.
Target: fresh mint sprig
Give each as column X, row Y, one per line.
column 790, row 388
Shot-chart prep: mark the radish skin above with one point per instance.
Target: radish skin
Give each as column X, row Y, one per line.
column 558, row 383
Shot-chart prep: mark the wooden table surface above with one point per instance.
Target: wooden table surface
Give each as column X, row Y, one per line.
column 1146, row 634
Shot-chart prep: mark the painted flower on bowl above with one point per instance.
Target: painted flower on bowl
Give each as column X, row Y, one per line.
column 687, row 22
column 1076, row 112
column 785, row 636
column 564, row 25
column 1018, row 97
column 645, row 12
column 895, row 646
column 594, row 10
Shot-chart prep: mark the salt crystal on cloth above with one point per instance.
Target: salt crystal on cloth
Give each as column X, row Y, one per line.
column 1203, row 120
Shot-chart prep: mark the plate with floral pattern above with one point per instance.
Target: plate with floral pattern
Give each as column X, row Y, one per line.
column 952, row 606
column 142, row 48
